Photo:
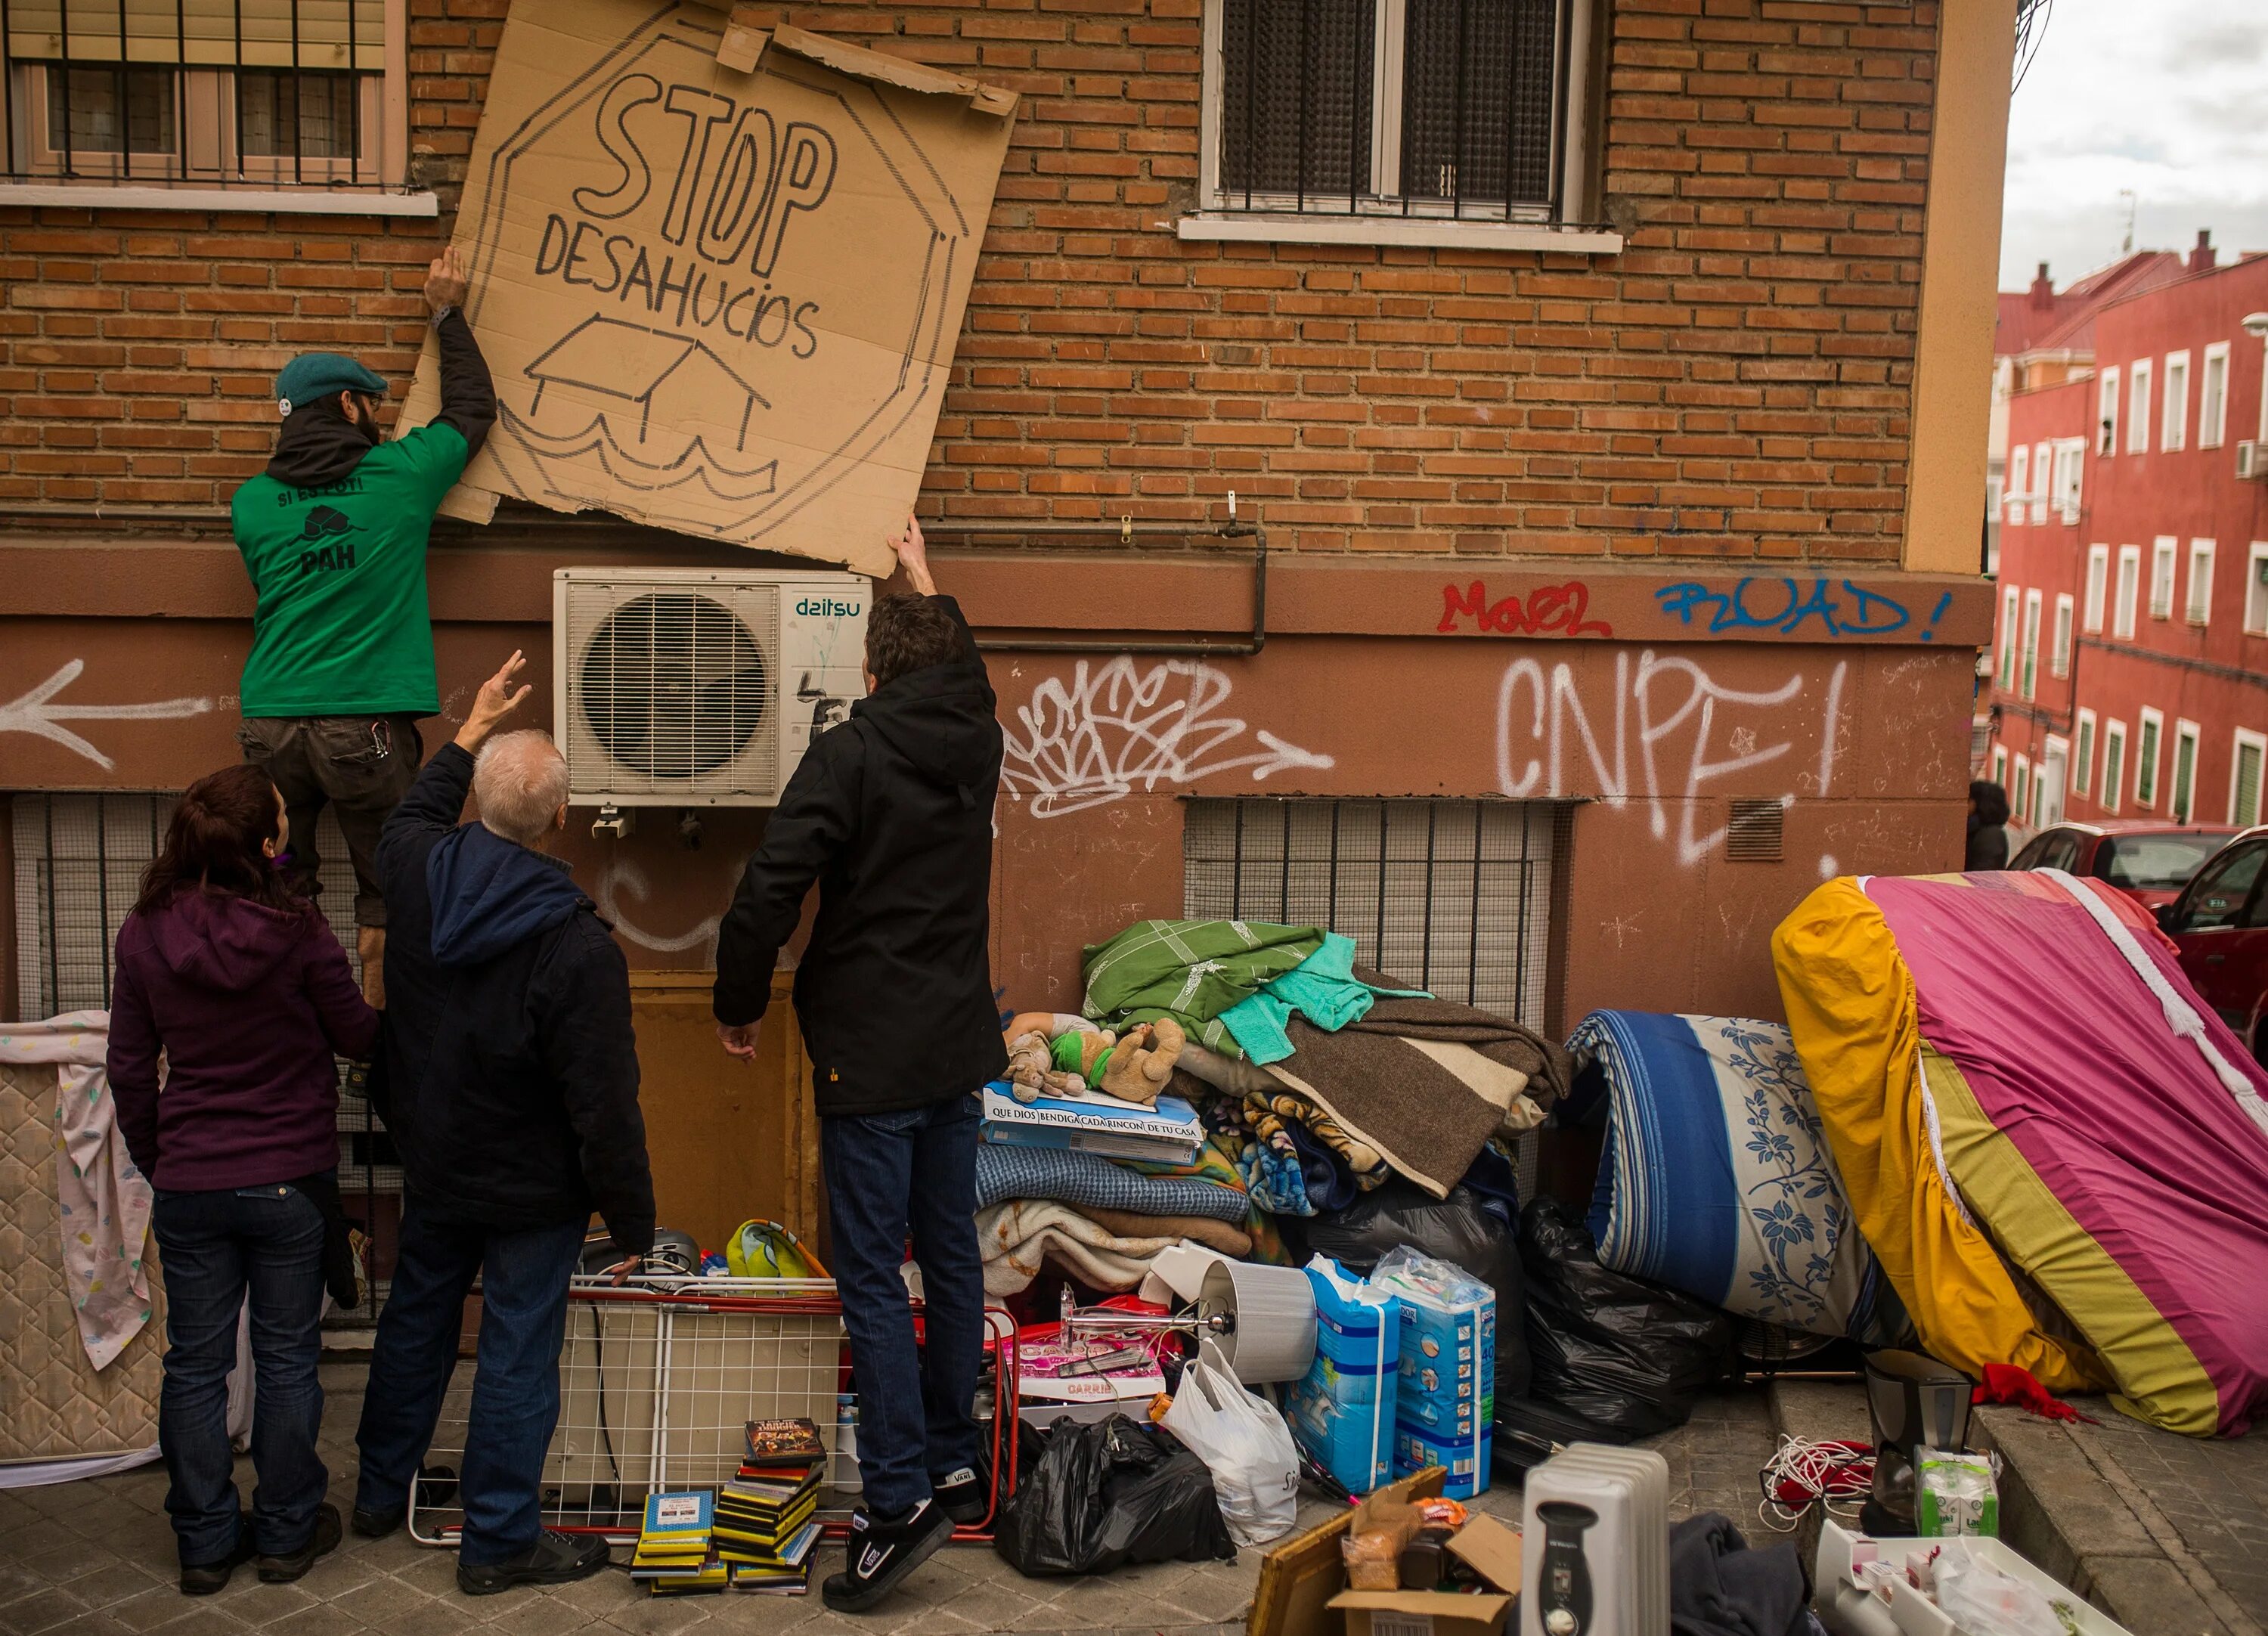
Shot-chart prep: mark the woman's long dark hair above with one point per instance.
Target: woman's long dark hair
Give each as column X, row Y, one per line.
column 213, row 844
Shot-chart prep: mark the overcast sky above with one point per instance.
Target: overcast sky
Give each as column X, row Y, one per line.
column 2167, row 97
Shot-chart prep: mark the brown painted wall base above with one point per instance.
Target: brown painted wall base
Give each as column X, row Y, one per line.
column 1867, row 744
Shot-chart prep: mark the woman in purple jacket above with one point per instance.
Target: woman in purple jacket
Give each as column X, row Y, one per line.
column 242, row 987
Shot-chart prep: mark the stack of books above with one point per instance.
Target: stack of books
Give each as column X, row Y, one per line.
column 675, row 1543
column 1168, row 1133
column 765, row 1523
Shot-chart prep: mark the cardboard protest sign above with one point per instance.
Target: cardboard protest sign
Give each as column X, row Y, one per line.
column 717, row 296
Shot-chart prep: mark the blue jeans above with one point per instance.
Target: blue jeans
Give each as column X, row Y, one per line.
column 889, row 1175
column 524, row 1279
column 214, row 1249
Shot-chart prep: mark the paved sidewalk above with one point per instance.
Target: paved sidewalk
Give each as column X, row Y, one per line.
column 2168, row 1534
column 95, row 1559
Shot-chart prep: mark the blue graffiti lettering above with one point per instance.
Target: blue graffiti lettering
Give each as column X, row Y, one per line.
column 1841, row 610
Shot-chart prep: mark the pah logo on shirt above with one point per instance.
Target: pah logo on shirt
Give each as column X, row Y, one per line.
column 323, row 533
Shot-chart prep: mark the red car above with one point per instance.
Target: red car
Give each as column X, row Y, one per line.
column 2150, row 862
column 2219, row 924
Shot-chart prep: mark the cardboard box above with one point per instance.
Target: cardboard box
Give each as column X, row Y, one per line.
column 719, row 272
column 1298, row 1578
column 1422, row 1613
column 1483, row 1545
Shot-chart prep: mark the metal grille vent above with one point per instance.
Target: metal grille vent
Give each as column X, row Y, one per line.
column 672, row 689
column 1756, row 832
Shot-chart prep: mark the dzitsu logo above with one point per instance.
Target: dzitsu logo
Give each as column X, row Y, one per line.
column 739, row 283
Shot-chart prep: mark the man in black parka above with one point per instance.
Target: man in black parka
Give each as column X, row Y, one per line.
column 508, row 1075
column 891, row 815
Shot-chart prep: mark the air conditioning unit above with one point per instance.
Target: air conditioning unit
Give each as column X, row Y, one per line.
column 2251, row 460
column 685, row 687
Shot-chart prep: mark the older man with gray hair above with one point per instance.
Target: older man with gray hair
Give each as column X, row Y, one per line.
column 509, row 1079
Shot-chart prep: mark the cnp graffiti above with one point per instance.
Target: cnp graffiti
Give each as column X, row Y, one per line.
column 1108, row 732
column 38, row 713
column 1549, row 610
column 1839, row 608
column 1669, row 732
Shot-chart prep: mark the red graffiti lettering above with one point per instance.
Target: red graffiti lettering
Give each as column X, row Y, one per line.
column 1549, row 610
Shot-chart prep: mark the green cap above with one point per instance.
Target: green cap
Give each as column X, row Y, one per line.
column 315, row 375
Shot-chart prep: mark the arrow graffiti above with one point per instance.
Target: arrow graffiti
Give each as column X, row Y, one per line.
column 35, row 713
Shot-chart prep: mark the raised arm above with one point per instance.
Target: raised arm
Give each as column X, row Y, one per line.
column 913, row 556
column 437, row 800
column 468, row 392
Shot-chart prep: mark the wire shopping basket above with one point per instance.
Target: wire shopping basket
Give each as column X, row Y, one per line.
column 658, row 1380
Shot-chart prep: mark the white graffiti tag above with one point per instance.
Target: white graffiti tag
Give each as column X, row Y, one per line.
column 1667, row 696
column 34, row 713
column 1105, row 733
column 622, row 878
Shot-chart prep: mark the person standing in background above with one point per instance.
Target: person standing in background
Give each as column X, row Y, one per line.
column 334, row 535
column 235, row 978
column 1988, row 826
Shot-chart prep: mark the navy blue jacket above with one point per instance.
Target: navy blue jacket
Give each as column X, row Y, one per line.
column 510, row 1073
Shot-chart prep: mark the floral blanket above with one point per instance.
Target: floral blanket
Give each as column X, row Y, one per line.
column 1716, row 1179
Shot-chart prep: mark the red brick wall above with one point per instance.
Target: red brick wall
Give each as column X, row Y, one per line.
column 1735, row 383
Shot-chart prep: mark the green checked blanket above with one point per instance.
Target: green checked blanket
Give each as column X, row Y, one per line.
column 1190, row 971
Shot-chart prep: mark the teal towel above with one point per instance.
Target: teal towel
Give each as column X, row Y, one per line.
column 1322, row 988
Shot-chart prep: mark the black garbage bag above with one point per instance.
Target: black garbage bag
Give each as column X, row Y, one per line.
column 1461, row 1230
column 1103, row 1495
column 1626, row 1355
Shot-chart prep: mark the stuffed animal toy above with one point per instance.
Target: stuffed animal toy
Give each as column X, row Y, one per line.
column 1140, row 1064
column 1033, row 1071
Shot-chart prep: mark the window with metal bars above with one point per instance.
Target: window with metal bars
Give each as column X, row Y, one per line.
column 262, row 93
column 79, row 860
column 1454, row 108
column 1465, row 899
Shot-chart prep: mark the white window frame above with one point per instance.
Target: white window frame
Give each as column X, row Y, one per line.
column 2031, row 658
column 2137, row 405
column 2000, row 765
column 2047, row 800
column 2020, row 476
column 1425, row 223
column 2084, row 734
column 2174, row 433
column 2212, row 404
column 2070, row 470
column 2181, row 801
column 2163, row 550
column 2020, row 796
column 2255, row 590
column 2098, row 587
column 2042, row 466
column 2149, row 755
column 2007, row 648
column 2197, row 608
column 2128, row 593
column 2059, row 638
column 2106, row 412
column 2245, row 740
column 2114, row 764
column 215, row 175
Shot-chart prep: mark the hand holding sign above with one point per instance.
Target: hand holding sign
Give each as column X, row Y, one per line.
column 446, row 284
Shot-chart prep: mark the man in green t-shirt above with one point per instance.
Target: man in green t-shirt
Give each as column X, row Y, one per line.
column 334, row 535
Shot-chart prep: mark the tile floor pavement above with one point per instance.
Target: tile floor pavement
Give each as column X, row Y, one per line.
column 96, row 1558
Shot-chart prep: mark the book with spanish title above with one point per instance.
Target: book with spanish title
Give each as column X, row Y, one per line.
column 779, row 1443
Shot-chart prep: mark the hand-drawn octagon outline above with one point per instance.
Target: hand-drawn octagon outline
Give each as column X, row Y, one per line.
column 929, row 307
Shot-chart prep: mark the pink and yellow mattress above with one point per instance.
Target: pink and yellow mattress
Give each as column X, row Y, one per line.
column 2021, row 1088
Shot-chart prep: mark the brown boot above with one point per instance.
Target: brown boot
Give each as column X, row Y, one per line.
column 370, row 942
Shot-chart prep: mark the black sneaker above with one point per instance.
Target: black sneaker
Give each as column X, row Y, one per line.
column 966, row 1495
column 553, row 1559
column 377, row 1524
column 209, row 1577
column 878, row 1555
column 324, row 1540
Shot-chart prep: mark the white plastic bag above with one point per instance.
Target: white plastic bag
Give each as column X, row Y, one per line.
column 1983, row 1601
column 1246, row 1445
